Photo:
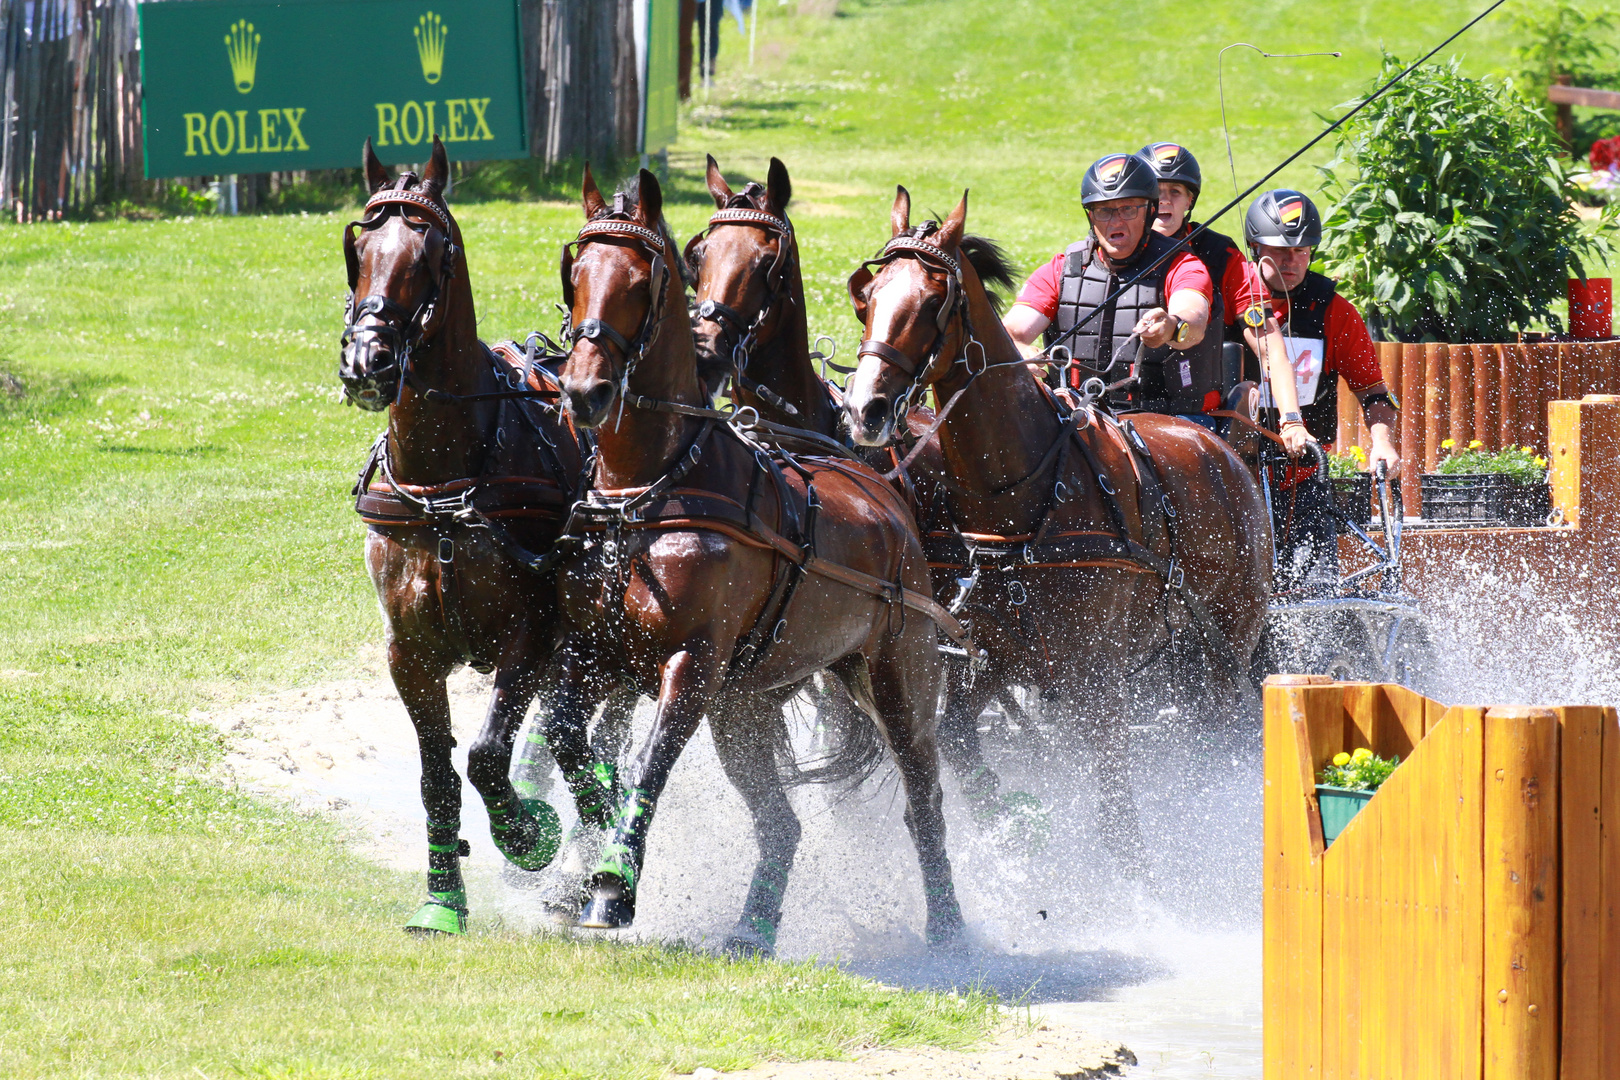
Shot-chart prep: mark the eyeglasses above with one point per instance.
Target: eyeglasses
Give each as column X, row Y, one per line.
column 1117, row 213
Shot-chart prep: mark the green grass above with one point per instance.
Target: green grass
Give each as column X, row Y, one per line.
column 175, row 533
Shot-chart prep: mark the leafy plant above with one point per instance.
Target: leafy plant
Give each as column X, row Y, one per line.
column 1561, row 38
column 1451, row 218
column 1359, row 771
column 1352, row 462
column 1521, row 463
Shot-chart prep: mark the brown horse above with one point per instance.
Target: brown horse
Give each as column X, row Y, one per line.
column 1083, row 545
column 472, row 477
column 715, row 578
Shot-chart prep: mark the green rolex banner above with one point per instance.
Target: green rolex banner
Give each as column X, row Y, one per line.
column 238, row 86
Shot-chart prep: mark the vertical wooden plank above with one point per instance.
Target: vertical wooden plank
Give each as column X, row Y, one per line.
column 1412, row 372
column 1459, row 870
column 1487, row 394
column 1609, row 932
column 1460, row 394
column 1564, row 457
column 1349, row 416
column 1580, row 795
column 1521, row 894
column 1292, row 874
column 1436, row 387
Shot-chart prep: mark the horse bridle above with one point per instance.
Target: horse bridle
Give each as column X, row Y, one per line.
column 908, row 243
column 404, row 330
column 618, row 226
column 745, row 331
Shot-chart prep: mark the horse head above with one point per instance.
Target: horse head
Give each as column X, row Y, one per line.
column 742, row 264
column 402, row 256
column 914, row 314
column 619, row 277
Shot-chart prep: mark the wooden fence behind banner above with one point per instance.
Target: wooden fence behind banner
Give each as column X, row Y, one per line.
column 70, row 96
column 70, row 124
column 1466, row 924
column 1497, row 394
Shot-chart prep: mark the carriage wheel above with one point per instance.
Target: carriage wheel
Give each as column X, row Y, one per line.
column 1410, row 657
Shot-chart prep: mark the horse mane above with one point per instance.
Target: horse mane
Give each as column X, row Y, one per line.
column 630, row 189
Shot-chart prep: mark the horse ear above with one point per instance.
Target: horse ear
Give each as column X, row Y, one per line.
column 778, row 188
column 859, row 282
column 717, row 184
column 376, row 173
column 950, row 233
column 591, row 195
column 651, row 197
column 437, row 174
column 900, row 216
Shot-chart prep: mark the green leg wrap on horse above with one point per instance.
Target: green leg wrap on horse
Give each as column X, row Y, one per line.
column 528, row 833
column 443, row 913
column 596, row 793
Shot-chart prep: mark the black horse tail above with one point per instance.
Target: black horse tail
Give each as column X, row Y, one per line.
column 851, row 746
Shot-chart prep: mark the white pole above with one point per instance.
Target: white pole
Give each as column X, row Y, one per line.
column 753, row 31
column 703, row 60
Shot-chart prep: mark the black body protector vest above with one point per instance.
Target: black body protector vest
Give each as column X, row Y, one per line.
column 1171, row 381
column 1305, row 333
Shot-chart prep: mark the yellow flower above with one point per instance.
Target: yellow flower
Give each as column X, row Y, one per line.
column 1341, row 759
column 1475, row 445
column 1361, row 754
column 1447, row 444
column 1526, row 449
column 1359, row 454
column 1542, row 462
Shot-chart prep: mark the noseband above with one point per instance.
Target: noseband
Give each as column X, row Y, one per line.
column 620, row 227
column 743, row 331
column 932, row 256
column 403, row 330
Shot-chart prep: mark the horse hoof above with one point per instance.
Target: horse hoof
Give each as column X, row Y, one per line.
column 436, row 918
column 947, row 934
column 609, row 906
column 747, row 942
column 548, row 837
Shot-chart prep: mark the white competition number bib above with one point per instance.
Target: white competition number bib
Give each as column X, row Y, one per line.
column 1306, row 356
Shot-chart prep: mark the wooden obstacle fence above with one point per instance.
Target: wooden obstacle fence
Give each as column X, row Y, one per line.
column 1466, row 924
column 1497, row 394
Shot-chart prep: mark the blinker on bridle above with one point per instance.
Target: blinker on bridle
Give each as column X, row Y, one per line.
column 403, row 330
column 908, row 243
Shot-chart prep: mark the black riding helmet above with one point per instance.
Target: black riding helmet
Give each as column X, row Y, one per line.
column 1122, row 176
column 1174, row 163
column 1284, row 219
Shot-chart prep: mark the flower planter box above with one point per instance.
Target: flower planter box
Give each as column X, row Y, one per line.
column 1353, row 494
column 1338, row 806
column 1484, row 497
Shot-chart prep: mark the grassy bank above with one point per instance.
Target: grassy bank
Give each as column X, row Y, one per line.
column 175, row 533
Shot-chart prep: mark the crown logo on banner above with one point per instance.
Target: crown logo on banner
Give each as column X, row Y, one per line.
column 430, row 32
column 242, row 46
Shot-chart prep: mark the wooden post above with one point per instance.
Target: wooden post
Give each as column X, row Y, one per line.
column 1436, row 383
column 1609, row 964
column 1490, row 415
column 1522, row 902
column 1580, row 788
column 1461, row 395
column 1293, row 874
column 1412, row 372
column 1565, row 121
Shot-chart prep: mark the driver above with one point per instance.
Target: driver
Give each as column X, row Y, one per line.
column 1325, row 338
column 1167, row 310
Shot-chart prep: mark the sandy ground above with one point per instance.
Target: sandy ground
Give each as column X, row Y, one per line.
column 1090, row 966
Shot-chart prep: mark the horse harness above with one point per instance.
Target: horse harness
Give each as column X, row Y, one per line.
column 602, row 517
column 489, row 500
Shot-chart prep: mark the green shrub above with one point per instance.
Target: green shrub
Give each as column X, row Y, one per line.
column 1451, row 217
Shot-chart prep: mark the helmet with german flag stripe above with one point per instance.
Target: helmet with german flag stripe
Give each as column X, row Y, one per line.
column 1282, row 219
column 1174, row 164
column 1119, row 176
